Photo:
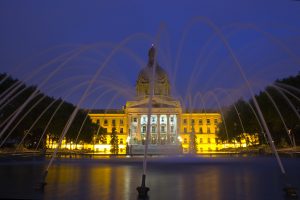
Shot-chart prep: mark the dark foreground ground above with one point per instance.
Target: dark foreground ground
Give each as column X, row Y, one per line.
column 213, row 177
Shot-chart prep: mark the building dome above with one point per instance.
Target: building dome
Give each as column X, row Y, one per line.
column 161, row 79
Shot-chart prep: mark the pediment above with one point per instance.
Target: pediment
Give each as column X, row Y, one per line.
column 156, row 103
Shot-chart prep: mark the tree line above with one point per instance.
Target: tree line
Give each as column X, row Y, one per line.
column 38, row 114
column 280, row 105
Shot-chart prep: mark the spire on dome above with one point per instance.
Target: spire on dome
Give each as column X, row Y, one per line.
column 151, row 55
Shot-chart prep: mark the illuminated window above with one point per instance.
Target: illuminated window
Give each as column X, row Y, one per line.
column 143, row 129
column 200, row 130
column 201, row 140
column 208, row 130
column 184, row 121
column 185, row 141
column 216, row 121
column 200, row 122
column 121, row 141
column 105, row 122
column 172, row 119
column 121, row 122
column 207, row 121
column 113, row 122
column 153, row 130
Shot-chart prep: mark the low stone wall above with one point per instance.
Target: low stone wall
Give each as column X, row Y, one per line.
column 167, row 149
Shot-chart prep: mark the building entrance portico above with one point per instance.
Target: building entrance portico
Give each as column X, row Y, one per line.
column 163, row 128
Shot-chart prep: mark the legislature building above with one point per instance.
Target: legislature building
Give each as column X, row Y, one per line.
column 172, row 131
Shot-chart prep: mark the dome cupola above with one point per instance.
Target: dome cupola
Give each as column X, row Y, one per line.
column 153, row 71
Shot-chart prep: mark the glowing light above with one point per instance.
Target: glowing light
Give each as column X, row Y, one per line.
column 128, row 139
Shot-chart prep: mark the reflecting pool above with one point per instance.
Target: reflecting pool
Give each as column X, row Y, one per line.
column 168, row 178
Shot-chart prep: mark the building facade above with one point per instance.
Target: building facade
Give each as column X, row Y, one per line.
column 155, row 113
column 170, row 127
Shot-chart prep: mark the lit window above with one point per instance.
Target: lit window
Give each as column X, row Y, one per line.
column 153, row 129
column 207, row 121
column 172, row 129
column 208, row 130
column 216, row 121
column 200, row 130
column 201, row 140
column 185, row 141
column 200, row 122
column 105, row 122
column 113, row 122
column 184, row 121
column 143, row 129
column 121, row 141
column 121, row 122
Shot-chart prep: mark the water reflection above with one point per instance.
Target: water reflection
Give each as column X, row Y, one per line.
column 209, row 178
column 91, row 181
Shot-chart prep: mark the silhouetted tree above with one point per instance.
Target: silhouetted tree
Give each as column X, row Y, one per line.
column 114, row 148
column 30, row 118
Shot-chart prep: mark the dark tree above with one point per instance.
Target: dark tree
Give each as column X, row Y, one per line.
column 114, row 149
column 37, row 113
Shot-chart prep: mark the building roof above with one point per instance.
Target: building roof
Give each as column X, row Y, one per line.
column 107, row 111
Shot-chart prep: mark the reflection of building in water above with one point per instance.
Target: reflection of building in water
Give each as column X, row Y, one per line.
column 171, row 129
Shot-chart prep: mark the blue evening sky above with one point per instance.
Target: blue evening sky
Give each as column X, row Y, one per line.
column 38, row 37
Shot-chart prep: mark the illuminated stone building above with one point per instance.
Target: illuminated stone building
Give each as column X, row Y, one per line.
column 172, row 131
column 170, row 127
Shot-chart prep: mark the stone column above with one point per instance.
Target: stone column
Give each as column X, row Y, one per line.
column 139, row 127
column 158, row 129
column 178, row 124
column 168, row 128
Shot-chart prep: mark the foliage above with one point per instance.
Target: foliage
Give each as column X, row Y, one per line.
column 277, row 127
column 114, row 149
column 36, row 113
column 193, row 143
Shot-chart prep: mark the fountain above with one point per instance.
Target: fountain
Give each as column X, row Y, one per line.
column 156, row 125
